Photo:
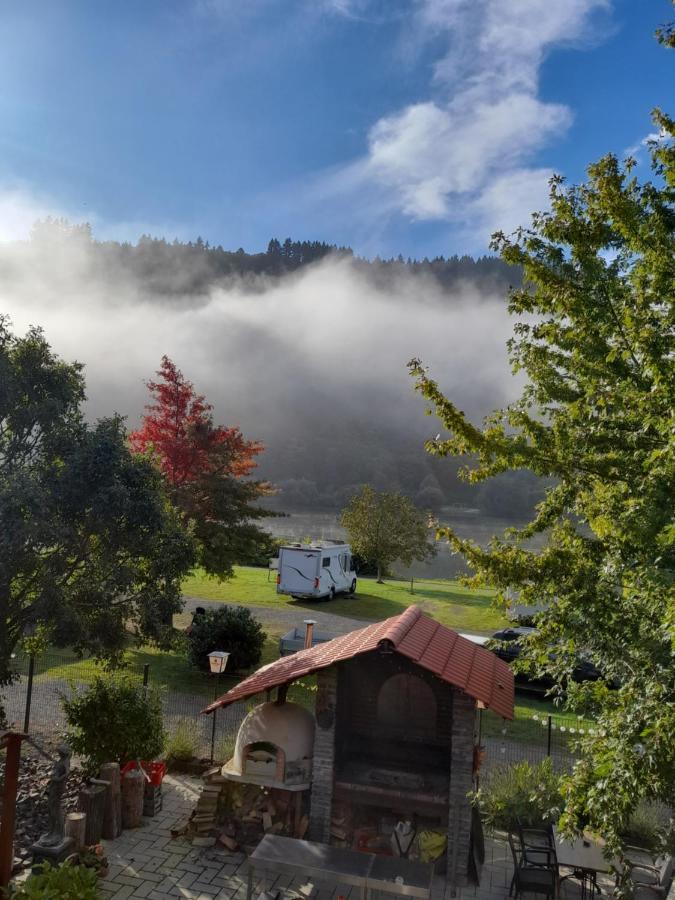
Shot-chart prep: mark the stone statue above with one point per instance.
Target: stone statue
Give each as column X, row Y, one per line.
column 55, row 836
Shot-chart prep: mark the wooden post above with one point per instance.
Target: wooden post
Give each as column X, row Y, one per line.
column 11, row 743
column 133, row 788
column 75, row 827
column 112, row 814
column 91, row 802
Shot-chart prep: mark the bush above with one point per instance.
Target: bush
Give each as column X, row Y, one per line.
column 649, row 827
column 115, row 720
column 229, row 628
column 67, row 882
column 522, row 791
column 181, row 746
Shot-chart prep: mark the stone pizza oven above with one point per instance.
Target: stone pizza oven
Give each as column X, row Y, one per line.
column 274, row 747
column 394, row 738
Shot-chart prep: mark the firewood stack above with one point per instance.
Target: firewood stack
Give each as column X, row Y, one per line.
column 240, row 814
column 341, row 826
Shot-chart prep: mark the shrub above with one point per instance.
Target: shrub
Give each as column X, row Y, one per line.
column 181, row 745
column 522, row 791
column 649, row 827
column 229, row 628
column 67, row 882
column 115, row 720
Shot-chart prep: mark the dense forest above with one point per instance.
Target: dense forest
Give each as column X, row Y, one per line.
column 175, row 267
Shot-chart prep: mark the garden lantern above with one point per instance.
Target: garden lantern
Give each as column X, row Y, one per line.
column 217, row 662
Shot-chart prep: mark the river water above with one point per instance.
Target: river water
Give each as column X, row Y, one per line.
column 472, row 524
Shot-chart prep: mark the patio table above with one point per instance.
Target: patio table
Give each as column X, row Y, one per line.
column 279, row 855
column 400, row 876
column 287, row 856
column 584, row 855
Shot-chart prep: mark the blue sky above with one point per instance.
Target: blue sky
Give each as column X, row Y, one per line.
column 394, row 126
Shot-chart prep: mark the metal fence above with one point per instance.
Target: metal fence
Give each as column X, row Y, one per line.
column 530, row 736
column 33, row 701
column 33, row 704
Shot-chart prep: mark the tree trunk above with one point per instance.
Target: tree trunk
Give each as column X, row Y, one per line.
column 91, row 802
column 112, row 817
column 379, row 574
column 133, row 787
column 75, row 827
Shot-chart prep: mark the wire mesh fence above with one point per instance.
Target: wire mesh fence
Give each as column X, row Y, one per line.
column 33, row 704
column 530, row 736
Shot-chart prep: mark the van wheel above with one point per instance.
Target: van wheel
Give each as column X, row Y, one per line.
column 331, row 594
column 352, row 589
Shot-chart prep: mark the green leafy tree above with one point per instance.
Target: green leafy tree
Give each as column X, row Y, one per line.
column 594, row 336
column 88, row 540
column 384, row 527
column 116, row 719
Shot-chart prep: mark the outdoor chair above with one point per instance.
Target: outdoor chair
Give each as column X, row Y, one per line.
column 538, row 844
column 651, row 882
column 529, row 878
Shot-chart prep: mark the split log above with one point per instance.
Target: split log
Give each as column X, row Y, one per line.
column 75, row 827
column 112, row 816
column 91, row 802
column 133, row 787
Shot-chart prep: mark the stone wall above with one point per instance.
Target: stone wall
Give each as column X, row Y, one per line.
column 323, row 762
column 461, row 782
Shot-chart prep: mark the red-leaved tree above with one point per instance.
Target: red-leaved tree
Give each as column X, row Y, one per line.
column 206, row 467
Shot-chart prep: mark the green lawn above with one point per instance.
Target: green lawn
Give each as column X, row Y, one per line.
column 448, row 602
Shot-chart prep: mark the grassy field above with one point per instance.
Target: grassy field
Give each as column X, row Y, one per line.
column 448, row 602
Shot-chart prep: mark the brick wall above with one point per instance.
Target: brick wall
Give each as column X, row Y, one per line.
column 324, row 757
column 461, row 782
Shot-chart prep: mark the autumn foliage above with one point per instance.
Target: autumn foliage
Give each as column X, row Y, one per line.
column 178, row 429
column 206, row 468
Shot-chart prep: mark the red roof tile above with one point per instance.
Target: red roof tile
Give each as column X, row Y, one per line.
column 454, row 659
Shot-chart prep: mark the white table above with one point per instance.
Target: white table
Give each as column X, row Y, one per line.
column 584, row 855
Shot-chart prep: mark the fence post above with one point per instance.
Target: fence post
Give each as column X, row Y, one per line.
column 480, row 737
column 412, row 590
column 29, row 692
column 548, row 743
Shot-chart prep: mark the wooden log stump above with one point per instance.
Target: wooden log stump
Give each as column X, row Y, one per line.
column 75, row 827
column 133, row 787
column 91, row 802
column 112, row 815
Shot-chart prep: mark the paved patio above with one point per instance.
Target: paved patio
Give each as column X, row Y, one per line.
column 148, row 863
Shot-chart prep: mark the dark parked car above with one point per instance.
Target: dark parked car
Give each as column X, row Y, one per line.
column 507, row 644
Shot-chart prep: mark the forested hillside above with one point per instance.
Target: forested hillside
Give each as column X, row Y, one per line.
column 170, row 268
column 304, row 346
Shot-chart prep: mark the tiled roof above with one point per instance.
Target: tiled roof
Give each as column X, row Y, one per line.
column 475, row 670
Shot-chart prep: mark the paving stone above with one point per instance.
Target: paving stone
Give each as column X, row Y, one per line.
column 125, row 891
column 143, row 891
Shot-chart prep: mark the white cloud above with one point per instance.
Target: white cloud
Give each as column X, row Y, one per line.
column 467, row 151
column 21, row 207
column 429, row 153
column 19, row 210
column 509, row 200
column 639, row 149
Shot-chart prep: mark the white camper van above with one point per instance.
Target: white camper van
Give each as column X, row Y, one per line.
column 320, row 569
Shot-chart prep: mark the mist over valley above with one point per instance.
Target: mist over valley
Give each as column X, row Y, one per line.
column 304, row 347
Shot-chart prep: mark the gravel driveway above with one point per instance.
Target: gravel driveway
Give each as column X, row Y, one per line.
column 283, row 615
